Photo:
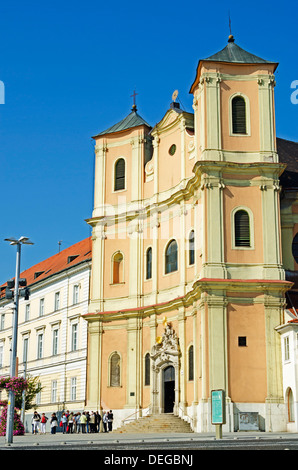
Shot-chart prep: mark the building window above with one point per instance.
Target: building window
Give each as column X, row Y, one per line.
column 40, row 346
column 242, row 229
column 54, row 391
column 25, row 349
column 239, row 115
column 75, row 294
column 191, row 252
column 119, row 175
column 190, row 363
column 2, row 321
column 115, row 370
column 73, row 388
column 171, row 260
column 55, row 342
column 295, row 247
column 41, row 307
column 149, row 263
column 147, row 369
column 57, row 301
column 287, row 348
column 241, row 340
column 27, row 312
column 117, row 267
column 290, row 399
column 1, row 354
column 74, row 337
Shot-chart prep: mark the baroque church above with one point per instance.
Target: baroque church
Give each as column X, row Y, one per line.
column 189, row 281
column 193, row 257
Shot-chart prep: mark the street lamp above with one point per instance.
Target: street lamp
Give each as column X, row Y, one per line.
column 11, row 396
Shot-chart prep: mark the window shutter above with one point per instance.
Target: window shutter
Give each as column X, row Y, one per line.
column 239, row 115
column 120, row 175
column 242, row 229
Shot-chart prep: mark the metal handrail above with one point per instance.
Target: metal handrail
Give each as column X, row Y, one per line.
column 186, row 415
column 129, row 418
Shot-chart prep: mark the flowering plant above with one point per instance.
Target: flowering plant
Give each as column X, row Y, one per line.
column 14, row 384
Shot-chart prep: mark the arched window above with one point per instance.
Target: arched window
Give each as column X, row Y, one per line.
column 190, row 363
column 149, row 263
column 295, row 247
column 171, row 257
column 191, row 252
column 117, row 267
column 115, row 370
column 242, row 228
column 147, row 369
column 291, row 412
column 239, row 115
column 119, row 174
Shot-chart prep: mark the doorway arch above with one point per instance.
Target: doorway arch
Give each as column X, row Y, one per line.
column 165, row 356
column 168, row 381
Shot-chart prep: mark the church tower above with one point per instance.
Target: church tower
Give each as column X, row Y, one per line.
column 187, row 284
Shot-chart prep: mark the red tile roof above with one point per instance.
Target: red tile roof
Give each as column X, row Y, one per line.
column 71, row 256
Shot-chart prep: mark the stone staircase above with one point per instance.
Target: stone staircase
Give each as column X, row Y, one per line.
column 159, row 423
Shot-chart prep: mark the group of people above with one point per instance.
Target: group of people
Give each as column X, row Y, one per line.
column 73, row 422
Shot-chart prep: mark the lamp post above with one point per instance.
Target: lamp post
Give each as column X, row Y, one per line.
column 13, row 358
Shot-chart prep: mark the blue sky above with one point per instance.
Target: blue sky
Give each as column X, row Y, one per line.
column 69, row 69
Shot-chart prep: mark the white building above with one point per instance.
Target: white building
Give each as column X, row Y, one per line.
column 51, row 330
column 289, row 340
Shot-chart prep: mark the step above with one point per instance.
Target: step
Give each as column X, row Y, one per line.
column 162, row 423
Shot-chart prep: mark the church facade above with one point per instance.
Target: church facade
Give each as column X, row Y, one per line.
column 188, row 286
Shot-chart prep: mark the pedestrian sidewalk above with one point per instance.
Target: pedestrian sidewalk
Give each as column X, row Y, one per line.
column 49, row 439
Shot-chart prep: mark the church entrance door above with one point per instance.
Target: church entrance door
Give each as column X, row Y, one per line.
column 169, row 389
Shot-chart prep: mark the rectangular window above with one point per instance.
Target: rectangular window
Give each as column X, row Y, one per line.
column 2, row 321
column 27, row 312
column 241, row 340
column 57, row 301
column 73, row 388
column 55, row 342
column 40, row 346
column 1, row 354
column 54, row 391
column 287, row 348
column 74, row 337
column 75, row 294
column 25, row 349
column 41, row 307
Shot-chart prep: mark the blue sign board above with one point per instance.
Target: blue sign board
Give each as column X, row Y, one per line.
column 218, row 407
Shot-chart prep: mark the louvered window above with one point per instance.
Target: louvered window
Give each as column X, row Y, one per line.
column 242, row 228
column 149, row 263
column 192, row 247
column 120, row 175
column 147, row 369
column 239, row 115
column 171, row 257
column 190, row 364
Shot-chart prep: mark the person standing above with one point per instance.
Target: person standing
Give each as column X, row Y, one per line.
column 43, row 423
column 97, row 419
column 110, row 420
column 35, row 422
column 64, row 422
column 83, row 421
column 105, row 421
column 53, row 423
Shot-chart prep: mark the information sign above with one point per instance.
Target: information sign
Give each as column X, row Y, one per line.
column 218, row 407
